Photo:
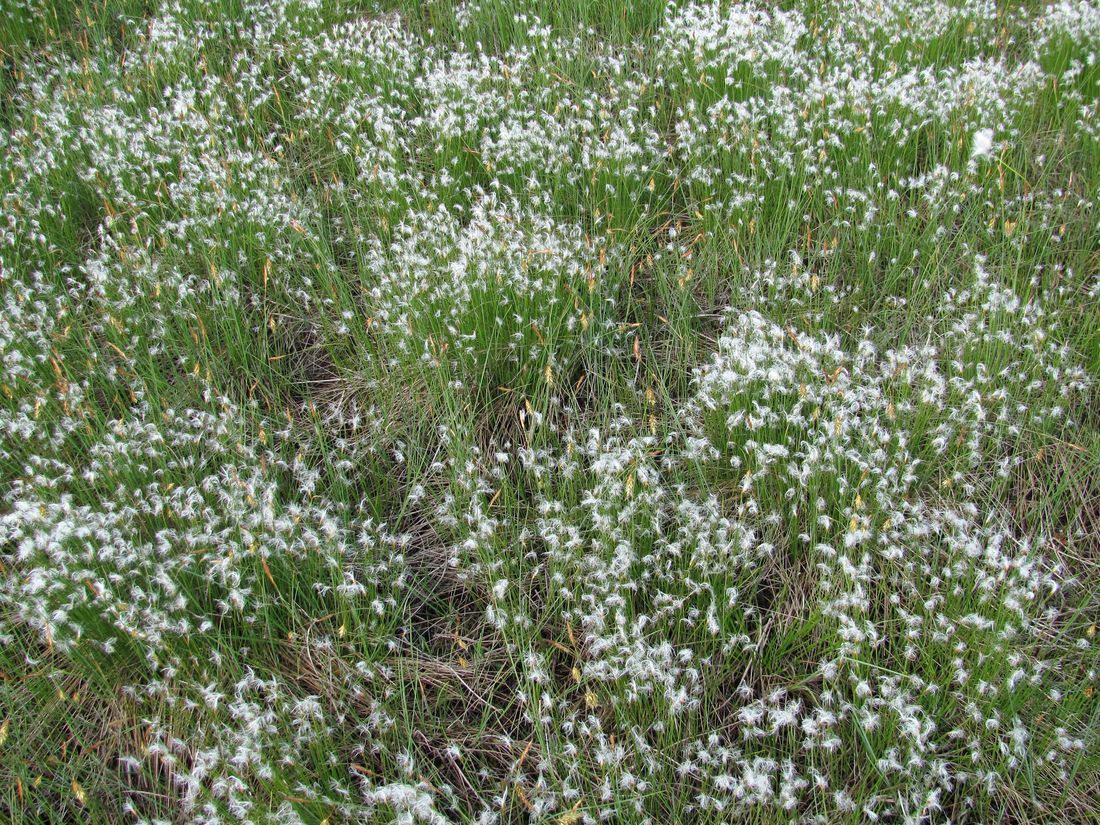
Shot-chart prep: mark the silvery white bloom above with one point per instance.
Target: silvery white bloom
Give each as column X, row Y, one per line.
column 982, row 144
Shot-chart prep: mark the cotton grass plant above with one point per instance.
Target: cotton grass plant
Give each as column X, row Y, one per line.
column 560, row 412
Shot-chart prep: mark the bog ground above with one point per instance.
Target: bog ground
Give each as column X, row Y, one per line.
column 564, row 412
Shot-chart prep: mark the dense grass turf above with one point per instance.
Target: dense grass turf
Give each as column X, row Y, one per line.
column 559, row 411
